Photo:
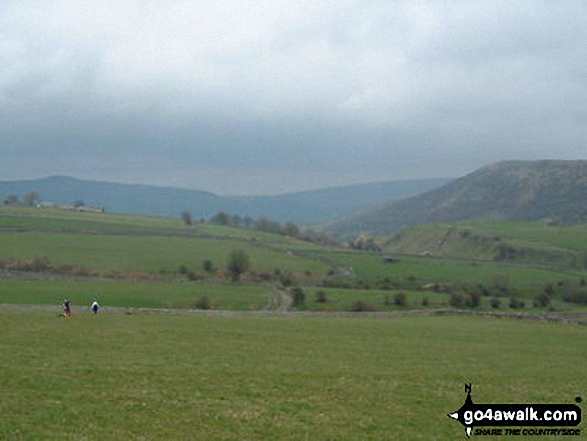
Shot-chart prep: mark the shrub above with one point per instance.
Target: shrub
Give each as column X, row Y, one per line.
column 286, row 279
column 203, row 302
column 495, row 302
column 425, row 301
column 238, row 263
column 321, row 296
column 400, row 299
column 542, row 300
column 299, row 298
column 362, row 306
column 456, row 299
column 474, row 300
column 208, row 266
column 40, row 264
column 575, row 296
column 194, row 277
column 514, row 303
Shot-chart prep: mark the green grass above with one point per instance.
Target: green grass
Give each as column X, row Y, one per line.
column 54, row 220
column 113, row 243
column 143, row 253
column 133, row 294
column 529, row 242
column 147, row 377
column 369, row 265
column 572, row 236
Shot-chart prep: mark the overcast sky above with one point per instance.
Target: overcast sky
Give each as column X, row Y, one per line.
column 259, row 96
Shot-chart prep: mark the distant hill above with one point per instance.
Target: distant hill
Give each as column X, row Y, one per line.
column 551, row 191
column 306, row 207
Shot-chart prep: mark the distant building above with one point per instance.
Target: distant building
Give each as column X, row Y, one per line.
column 90, row 209
column 47, row 204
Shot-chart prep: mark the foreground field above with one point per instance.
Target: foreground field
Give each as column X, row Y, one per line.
column 144, row 377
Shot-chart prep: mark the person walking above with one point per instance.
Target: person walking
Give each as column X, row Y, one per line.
column 66, row 308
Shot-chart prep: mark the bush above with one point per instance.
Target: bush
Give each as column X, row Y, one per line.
column 400, row 299
column 208, row 266
column 194, row 277
column 456, row 299
column 474, row 300
column 362, row 306
column 286, row 279
column 321, row 297
column 542, row 300
column 575, row 296
column 495, row 302
column 299, row 298
column 425, row 301
column 238, row 263
column 516, row 304
column 203, row 302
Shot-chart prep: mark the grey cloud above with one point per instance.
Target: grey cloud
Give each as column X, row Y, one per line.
column 322, row 93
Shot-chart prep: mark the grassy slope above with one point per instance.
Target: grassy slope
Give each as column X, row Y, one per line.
column 134, row 243
column 140, row 377
column 536, row 242
column 155, row 245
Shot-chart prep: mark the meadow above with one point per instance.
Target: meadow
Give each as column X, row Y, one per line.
column 138, row 248
column 120, row 377
column 148, row 377
column 126, row 294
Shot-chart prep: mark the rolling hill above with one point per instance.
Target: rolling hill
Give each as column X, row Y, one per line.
column 306, row 207
column 551, row 191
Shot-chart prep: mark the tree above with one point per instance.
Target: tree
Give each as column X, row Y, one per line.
column 208, row 266
column 298, row 296
column 221, row 218
column 248, row 221
column 237, row 220
column 291, row 229
column 79, row 203
column 32, row 198
column 186, row 216
column 238, row 263
column 11, row 200
column 266, row 224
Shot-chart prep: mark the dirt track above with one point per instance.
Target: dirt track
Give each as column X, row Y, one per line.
column 555, row 317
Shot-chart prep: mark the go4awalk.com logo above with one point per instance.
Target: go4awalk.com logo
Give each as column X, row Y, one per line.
column 514, row 419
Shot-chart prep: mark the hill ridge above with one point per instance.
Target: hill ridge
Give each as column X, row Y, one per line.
column 547, row 190
column 307, row 207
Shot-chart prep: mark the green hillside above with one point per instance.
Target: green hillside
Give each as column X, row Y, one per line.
column 46, row 254
column 529, row 242
column 551, row 191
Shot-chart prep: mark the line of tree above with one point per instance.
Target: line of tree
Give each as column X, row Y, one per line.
column 269, row 225
column 31, row 199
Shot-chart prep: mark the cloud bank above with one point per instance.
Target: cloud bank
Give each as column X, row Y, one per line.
column 270, row 96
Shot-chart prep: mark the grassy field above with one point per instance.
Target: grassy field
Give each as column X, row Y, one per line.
column 370, row 265
column 523, row 242
column 135, row 247
column 144, row 253
column 133, row 294
column 147, row 377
